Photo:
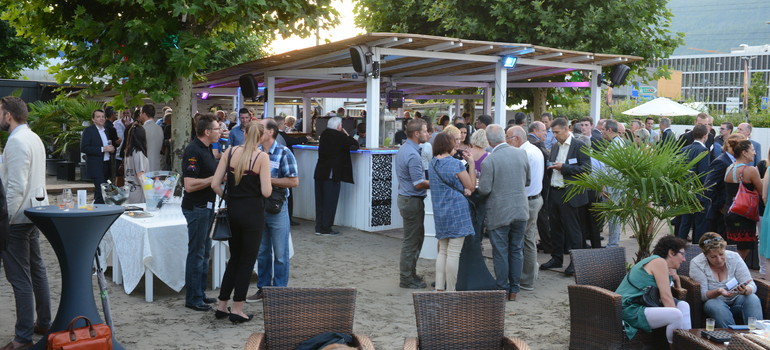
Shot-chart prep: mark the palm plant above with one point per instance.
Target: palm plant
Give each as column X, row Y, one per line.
column 650, row 184
column 60, row 122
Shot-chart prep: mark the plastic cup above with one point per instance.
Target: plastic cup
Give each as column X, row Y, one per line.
column 710, row 324
column 752, row 323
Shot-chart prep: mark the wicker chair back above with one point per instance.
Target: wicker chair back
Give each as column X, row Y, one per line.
column 603, row 268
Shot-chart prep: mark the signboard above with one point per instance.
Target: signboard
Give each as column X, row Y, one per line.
column 733, row 104
column 647, row 90
column 765, row 102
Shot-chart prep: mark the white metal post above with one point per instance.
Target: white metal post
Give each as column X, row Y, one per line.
column 270, row 100
column 307, row 115
column 501, row 85
column 596, row 96
column 373, row 105
column 488, row 100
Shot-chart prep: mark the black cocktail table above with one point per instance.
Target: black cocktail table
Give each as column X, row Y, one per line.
column 74, row 234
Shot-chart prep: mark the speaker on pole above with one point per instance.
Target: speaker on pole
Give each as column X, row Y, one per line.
column 249, row 86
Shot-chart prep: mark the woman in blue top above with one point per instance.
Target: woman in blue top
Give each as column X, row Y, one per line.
column 657, row 270
column 450, row 184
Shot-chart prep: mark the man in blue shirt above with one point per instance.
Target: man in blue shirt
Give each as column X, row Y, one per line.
column 273, row 256
column 236, row 134
column 546, row 118
column 412, row 187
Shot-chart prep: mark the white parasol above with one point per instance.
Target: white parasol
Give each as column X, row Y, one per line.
column 661, row 107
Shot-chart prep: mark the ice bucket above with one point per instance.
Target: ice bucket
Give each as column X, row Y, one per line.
column 113, row 194
column 158, row 187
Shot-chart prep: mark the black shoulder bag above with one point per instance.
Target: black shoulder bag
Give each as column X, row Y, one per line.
column 470, row 203
column 650, row 298
column 220, row 226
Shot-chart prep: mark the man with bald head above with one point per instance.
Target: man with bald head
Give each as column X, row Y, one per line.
column 516, row 137
column 537, row 133
column 745, row 130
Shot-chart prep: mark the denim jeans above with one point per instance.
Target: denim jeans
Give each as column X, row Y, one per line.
column 724, row 315
column 273, row 256
column 198, row 249
column 507, row 254
column 614, row 225
column 25, row 270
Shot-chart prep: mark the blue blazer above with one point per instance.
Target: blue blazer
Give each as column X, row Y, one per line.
column 91, row 145
column 715, row 181
column 693, row 150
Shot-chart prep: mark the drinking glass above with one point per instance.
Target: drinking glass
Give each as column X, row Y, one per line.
column 60, row 201
column 67, row 194
column 39, row 197
column 752, row 323
column 710, row 324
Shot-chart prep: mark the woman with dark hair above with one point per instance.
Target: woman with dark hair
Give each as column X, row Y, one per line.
column 741, row 230
column 443, row 122
column 246, row 170
column 465, row 137
column 713, row 269
column 657, row 271
column 450, row 184
column 135, row 162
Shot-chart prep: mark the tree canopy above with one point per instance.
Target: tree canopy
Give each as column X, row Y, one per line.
column 16, row 53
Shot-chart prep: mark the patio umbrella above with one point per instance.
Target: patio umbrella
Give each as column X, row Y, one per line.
column 661, row 107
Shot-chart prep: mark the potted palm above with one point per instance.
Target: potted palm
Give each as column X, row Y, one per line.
column 653, row 185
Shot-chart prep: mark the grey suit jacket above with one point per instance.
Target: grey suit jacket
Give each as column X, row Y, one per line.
column 503, row 181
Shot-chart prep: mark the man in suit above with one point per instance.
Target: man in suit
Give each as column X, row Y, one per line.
column 98, row 147
column 745, row 130
column 154, row 136
column 689, row 221
column 648, row 124
column 333, row 166
column 503, row 181
column 536, row 136
column 567, row 161
column 23, row 172
column 666, row 134
column 725, row 130
column 701, row 119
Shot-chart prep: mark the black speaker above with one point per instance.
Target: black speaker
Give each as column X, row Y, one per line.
column 249, row 86
column 395, row 99
column 618, row 74
column 361, row 59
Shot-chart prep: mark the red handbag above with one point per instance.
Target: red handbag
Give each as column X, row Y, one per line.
column 91, row 337
column 746, row 203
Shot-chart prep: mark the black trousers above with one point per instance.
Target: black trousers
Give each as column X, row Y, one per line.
column 247, row 220
column 543, row 224
column 99, row 180
column 566, row 233
column 327, row 193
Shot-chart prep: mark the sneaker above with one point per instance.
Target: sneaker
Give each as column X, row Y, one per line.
column 526, row 288
column 255, row 298
column 332, row 233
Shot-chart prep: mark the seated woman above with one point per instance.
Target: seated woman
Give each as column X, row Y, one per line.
column 657, row 270
column 713, row 269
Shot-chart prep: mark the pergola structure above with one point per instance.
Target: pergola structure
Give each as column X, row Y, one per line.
column 421, row 66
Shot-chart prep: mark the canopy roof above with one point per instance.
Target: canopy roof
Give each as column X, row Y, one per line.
column 661, row 107
column 416, row 64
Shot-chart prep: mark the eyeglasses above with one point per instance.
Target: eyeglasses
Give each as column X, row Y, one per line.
column 712, row 240
column 509, row 137
column 681, row 252
column 215, row 129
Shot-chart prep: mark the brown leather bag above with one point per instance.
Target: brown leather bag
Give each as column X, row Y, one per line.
column 91, row 337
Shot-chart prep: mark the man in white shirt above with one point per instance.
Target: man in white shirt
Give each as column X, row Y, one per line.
column 23, row 172
column 98, row 149
column 154, row 136
column 517, row 137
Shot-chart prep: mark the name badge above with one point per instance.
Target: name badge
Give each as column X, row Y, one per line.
column 209, row 205
column 572, row 161
column 274, row 165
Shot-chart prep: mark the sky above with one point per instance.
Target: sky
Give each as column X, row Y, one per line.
column 346, row 29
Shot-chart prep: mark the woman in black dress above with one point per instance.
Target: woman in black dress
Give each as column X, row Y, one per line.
column 741, row 230
column 247, row 172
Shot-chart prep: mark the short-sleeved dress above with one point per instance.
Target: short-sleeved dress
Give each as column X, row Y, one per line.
column 633, row 314
column 740, row 230
column 451, row 213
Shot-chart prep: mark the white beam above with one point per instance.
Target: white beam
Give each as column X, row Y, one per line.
column 538, row 73
column 517, row 51
column 443, row 46
column 549, row 84
column 487, row 100
column 373, row 105
column 548, row 55
column 441, row 55
column 270, row 101
column 435, row 48
column 331, row 87
column 555, row 64
column 309, row 73
column 299, row 86
column 479, row 49
column 448, row 83
column 457, row 107
column 431, row 68
column 217, row 91
column 501, row 82
column 398, row 42
column 445, row 78
column 611, row 60
column 445, row 97
column 307, row 115
column 596, row 96
column 577, row 59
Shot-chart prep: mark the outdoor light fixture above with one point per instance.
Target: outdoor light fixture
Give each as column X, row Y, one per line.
column 509, row 61
column 204, row 95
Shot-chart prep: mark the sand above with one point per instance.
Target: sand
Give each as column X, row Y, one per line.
column 366, row 261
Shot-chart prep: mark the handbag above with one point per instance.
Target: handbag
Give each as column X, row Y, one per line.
column 220, row 226
column 92, row 337
column 274, row 202
column 650, row 297
column 746, row 202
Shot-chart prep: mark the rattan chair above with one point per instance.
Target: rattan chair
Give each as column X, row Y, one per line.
column 744, row 342
column 293, row 315
column 684, row 340
column 693, row 288
column 461, row 321
column 596, row 310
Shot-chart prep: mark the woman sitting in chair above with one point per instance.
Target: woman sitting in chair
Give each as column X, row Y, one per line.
column 657, row 270
column 713, row 269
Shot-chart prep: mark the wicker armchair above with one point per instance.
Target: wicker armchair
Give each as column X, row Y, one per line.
column 693, row 288
column 461, row 320
column 745, row 342
column 684, row 340
column 595, row 308
column 293, row 315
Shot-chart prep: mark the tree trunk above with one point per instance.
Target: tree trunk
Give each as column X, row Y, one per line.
column 539, row 102
column 469, row 106
column 181, row 122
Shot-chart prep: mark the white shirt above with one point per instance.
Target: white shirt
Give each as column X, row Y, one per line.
column 557, row 179
column 536, row 169
column 105, row 142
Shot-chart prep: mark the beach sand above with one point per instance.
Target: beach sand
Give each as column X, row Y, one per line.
column 365, row 261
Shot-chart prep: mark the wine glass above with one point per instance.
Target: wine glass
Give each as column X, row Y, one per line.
column 39, row 197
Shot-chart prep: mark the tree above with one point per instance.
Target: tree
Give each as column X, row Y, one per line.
column 154, row 49
column 16, row 53
column 638, row 28
column 757, row 90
